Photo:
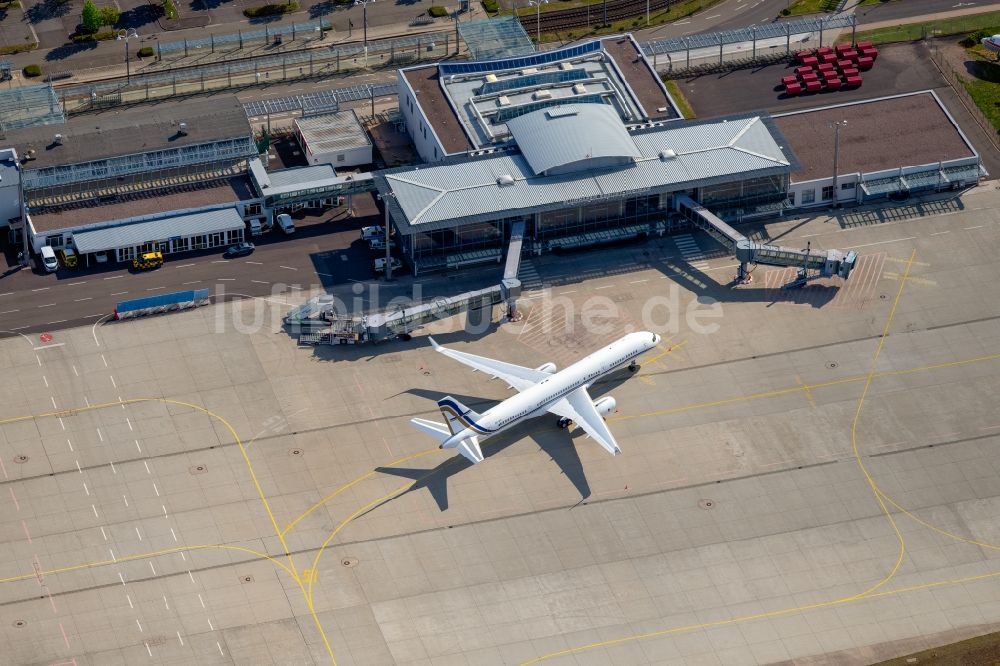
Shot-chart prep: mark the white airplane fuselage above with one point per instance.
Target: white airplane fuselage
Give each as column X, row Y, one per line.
column 535, row 400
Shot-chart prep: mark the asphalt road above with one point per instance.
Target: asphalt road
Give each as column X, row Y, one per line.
column 323, row 253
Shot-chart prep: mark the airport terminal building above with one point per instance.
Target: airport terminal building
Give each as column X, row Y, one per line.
column 572, row 147
column 576, row 176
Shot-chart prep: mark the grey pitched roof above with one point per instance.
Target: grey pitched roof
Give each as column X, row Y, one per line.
column 569, row 137
column 333, row 132
column 144, row 231
column 456, row 192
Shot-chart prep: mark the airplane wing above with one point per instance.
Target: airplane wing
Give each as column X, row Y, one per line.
column 517, row 376
column 579, row 408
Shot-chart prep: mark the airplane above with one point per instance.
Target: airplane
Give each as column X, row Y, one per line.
column 540, row 390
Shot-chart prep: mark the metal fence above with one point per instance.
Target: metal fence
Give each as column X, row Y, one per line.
column 679, row 53
column 237, row 73
column 267, row 34
column 958, row 84
column 328, row 100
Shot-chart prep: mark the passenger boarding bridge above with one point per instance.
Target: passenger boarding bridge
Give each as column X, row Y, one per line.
column 823, row 263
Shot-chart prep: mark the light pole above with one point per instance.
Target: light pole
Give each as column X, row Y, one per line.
column 123, row 36
column 388, row 256
column 836, row 156
column 537, row 4
column 364, row 21
column 23, row 213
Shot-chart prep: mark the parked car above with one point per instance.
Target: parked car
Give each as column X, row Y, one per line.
column 49, row 261
column 380, row 265
column 239, row 250
column 378, row 243
column 148, row 261
column 286, row 224
column 368, row 233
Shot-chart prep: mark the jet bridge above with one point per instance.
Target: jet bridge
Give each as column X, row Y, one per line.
column 317, row 321
column 823, row 263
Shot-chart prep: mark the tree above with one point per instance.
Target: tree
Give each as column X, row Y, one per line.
column 91, row 18
column 110, row 15
column 169, row 9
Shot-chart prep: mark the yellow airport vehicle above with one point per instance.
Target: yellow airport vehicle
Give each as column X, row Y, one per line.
column 67, row 257
column 148, row 261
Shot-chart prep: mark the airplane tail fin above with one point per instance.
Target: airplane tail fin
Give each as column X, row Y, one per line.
column 468, row 447
column 438, row 431
column 458, row 416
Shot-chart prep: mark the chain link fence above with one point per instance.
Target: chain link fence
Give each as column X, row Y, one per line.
column 958, row 84
column 734, row 48
column 244, row 72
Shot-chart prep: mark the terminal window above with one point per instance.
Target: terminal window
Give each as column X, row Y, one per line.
column 827, row 192
column 808, row 197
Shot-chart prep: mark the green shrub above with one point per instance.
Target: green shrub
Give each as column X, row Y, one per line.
column 492, row 6
column 109, row 15
column 93, row 36
column 169, row 9
column 31, row 71
column 437, row 11
column 17, row 48
column 10, row 4
column 146, row 52
column 786, row 11
column 974, row 39
column 271, row 10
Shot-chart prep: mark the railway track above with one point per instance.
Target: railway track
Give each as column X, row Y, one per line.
column 582, row 17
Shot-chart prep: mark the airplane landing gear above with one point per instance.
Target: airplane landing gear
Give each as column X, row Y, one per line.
column 633, row 367
column 563, row 422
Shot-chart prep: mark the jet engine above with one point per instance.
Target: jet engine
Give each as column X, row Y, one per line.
column 605, row 405
column 548, row 368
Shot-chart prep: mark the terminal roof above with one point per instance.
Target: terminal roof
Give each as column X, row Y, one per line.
column 565, row 138
column 884, row 133
column 143, row 231
column 127, row 205
column 468, row 104
column 115, row 132
column 672, row 156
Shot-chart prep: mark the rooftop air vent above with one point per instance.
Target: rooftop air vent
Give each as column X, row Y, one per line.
column 505, row 180
column 561, row 112
column 542, row 94
column 668, row 154
column 491, row 78
column 529, row 70
column 565, row 65
column 503, row 100
column 58, row 139
column 579, row 89
column 182, row 128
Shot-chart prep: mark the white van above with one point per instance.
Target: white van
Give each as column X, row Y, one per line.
column 286, row 224
column 256, row 228
column 49, row 260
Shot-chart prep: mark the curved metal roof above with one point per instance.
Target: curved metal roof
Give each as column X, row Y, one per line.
column 460, row 190
column 572, row 137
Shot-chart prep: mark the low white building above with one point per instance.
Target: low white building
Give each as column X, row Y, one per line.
column 888, row 146
column 338, row 139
